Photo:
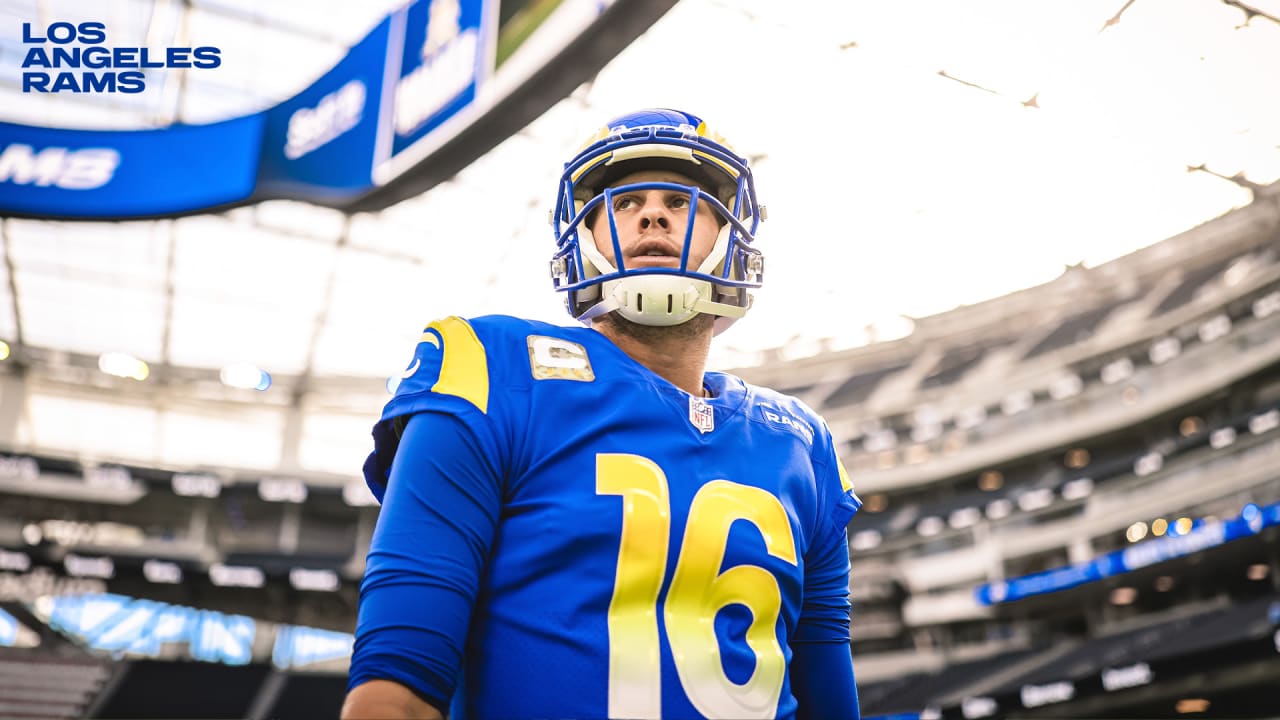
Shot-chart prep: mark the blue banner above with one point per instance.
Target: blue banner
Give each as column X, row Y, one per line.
column 446, row 54
column 320, row 144
column 415, row 70
column 1139, row 555
column 134, row 173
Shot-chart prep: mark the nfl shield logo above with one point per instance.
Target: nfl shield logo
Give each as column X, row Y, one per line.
column 701, row 415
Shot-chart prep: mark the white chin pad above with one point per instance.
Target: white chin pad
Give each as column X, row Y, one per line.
column 658, row 300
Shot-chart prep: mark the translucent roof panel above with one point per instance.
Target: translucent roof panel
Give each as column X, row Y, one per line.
column 244, row 439
column 335, row 443
column 377, row 310
column 109, row 429
column 92, row 287
column 244, row 294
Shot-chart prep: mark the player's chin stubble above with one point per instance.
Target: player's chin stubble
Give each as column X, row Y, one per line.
column 698, row 326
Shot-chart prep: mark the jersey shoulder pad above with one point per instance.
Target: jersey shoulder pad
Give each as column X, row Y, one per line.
column 467, row 359
column 450, row 360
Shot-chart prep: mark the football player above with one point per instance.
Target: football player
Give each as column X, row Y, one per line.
column 582, row 522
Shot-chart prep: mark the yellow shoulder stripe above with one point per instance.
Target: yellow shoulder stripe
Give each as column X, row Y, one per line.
column 845, row 483
column 464, row 370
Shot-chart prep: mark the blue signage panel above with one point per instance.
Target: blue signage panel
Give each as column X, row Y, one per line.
column 417, row 69
column 445, row 59
column 320, row 144
column 1139, row 555
column 133, row 173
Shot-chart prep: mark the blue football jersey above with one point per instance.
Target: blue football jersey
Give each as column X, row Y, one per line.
column 655, row 554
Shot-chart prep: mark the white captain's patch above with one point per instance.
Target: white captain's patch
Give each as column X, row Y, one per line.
column 779, row 418
column 553, row 358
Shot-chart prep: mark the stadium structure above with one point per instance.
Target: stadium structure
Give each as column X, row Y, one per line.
column 1072, row 492
column 1071, row 511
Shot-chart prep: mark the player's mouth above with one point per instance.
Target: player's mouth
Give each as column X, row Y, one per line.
column 654, row 253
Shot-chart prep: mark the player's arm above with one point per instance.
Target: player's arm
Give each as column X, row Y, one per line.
column 435, row 530
column 387, row 699
column 821, row 671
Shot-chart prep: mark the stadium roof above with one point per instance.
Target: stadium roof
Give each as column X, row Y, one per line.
column 914, row 156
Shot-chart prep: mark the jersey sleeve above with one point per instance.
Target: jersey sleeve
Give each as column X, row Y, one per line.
column 824, row 617
column 450, row 373
column 426, row 558
column 438, row 467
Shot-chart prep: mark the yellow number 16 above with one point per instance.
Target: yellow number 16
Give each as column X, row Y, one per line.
column 698, row 591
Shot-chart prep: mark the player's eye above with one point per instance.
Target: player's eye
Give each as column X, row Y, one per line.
column 678, row 202
column 626, row 202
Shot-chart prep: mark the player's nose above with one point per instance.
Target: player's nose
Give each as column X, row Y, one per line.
column 654, row 212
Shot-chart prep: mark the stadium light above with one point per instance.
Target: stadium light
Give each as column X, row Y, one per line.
column 964, row 517
column 1149, row 463
column 1077, row 458
column 1035, row 499
column 123, row 365
column 1159, row 526
column 1182, row 525
column 930, row 526
column 1117, row 370
column 1215, row 327
column 1066, row 386
column 1264, row 422
column 1123, row 596
column 236, row 576
column 245, row 376
column 1136, row 532
column 1266, row 305
column 286, row 490
column 999, row 509
column 1222, row 437
column 316, row 580
column 1164, row 350
column 1016, row 402
column 991, row 480
column 1257, row 571
column 14, row 561
column 4, row 350
column 1190, row 425
column 162, row 572
column 95, row 567
column 1192, row 705
column 1077, row 489
column 196, row 485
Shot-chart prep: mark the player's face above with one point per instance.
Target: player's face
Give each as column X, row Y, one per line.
column 651, row 224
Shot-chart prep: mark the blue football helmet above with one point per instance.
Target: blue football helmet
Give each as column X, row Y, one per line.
column 657, row 139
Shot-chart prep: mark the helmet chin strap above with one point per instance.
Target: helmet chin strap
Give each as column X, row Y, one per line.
column 659, row 300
